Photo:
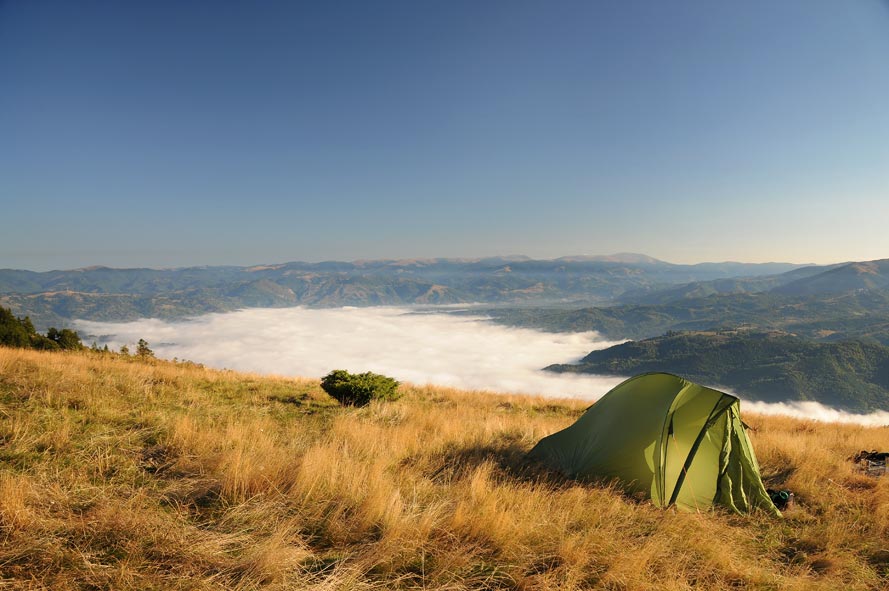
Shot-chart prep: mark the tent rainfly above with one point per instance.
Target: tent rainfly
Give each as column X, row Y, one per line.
column 670, row 439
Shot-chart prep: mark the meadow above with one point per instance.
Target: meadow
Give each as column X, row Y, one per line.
column 119, row 473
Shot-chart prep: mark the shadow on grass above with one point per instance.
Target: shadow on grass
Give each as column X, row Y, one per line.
column 509, row 459
column 777, row 477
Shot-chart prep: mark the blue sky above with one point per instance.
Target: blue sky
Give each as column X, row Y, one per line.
column 187, row 133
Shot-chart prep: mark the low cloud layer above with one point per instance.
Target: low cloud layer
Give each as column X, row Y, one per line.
column 434, row 348
column 431, row 347
column 816, row 411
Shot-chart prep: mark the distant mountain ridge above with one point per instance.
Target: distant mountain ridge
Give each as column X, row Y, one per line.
column 732, row 285
column 620, row 295
column 860, row 315
column 841, row 278
column 103, row 293
column 802, row 281
column 620, row 257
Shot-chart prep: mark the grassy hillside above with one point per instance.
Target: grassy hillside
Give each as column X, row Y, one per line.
column 119, row 474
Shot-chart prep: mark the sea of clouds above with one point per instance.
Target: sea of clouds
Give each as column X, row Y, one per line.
column 422, row 346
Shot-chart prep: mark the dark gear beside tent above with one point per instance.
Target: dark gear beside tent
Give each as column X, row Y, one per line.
column 673, row 440
column 872, row 463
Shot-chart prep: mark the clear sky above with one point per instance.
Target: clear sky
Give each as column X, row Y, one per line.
column 186, row 133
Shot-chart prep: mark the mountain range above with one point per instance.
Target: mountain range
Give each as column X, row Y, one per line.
column 102, row 293
column 828, row 317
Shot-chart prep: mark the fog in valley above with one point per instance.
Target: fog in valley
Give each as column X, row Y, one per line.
column 422, row 346
column 412, row 345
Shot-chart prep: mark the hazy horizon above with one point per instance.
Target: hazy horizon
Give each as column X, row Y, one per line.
column 430, row 258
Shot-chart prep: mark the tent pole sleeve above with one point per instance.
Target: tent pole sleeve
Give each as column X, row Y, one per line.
column 660, row 472
column 694, row 449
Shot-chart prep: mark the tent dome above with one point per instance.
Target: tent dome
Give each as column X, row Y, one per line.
column 672, row 440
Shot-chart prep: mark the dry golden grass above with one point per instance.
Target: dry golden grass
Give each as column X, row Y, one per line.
column 118, row 474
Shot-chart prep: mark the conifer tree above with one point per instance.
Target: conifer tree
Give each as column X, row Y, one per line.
column 142, row 349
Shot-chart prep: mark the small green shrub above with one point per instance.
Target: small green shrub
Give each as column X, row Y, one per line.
column 359, row 389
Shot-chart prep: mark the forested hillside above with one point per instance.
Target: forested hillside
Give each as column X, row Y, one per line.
column 20, row 332
column 766, row 366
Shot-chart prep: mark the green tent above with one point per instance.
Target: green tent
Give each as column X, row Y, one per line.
column 667, row 438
